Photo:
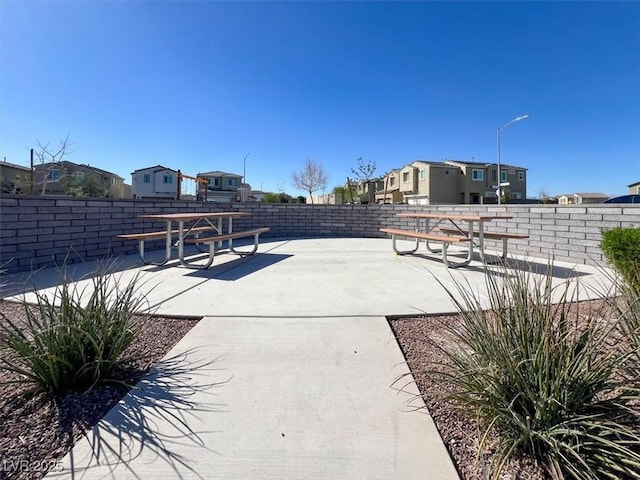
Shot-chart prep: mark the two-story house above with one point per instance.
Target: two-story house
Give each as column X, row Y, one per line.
column 14, row 178
column 156, row 182
column 222, row 187
column 634, row 188
column 388, row 190
column 427, row 183
column 478, row 181
column 52, row 178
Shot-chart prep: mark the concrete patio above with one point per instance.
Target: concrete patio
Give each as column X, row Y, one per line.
column 289, row 374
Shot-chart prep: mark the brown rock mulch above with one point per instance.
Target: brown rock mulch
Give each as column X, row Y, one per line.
column 36, row 433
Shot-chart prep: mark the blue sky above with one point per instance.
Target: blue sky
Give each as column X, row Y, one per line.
column 197, row 85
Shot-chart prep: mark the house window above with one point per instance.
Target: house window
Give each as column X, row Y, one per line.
column 494, row 175
column 79, row 176
column 53, row 175
column 17, row 177
column 392, row 181
column 405, row 177
column 422, row 174
column 146, row 178
column 216, row 182
column 477, row 174
column 233, row 182
column 516, row 195
column 521, row 176
column 446, row 172
column 503, row 176
column 167, row 179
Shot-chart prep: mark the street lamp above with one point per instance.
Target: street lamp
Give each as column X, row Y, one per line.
column 517, row 119
column 244, row 178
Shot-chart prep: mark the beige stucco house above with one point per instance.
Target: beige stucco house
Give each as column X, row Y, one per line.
column 477, row 181
column 634, row 188
column 425, row 182
column 428, row 183
column 51, row 178
column 580, row 198
column 388, row 190
column 14, row 178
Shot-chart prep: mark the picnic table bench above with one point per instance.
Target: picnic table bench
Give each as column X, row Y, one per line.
column 505, row 237
column 216, row 239
column 428, row 227
column 444, row 239
column 191, row 235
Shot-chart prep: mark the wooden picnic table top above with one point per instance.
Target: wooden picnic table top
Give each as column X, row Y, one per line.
column 450, row 216
column 186, row 217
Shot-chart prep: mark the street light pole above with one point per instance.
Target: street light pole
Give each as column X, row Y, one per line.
column 244, row 178
column 517, row 119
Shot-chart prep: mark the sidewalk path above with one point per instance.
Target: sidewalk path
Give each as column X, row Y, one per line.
column 289, row 374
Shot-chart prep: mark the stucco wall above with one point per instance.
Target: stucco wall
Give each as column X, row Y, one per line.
column 39, row 231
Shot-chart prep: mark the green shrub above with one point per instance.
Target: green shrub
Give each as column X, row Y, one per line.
column 621, row 246
column 547, row 381
column 74, row 339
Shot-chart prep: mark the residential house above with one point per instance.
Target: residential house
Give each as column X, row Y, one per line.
column 634, row 188
column 425, row 182
column 256, row 195
column 579, row 198
column 156, row 182
column 223, row 187
column 51, row 178
column 363, row 190
column 14, row 178
column 388, row 191
column 428, row 183
column 478, row 181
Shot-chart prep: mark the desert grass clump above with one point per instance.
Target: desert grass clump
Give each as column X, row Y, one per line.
column 543, row 375
column 74, row 338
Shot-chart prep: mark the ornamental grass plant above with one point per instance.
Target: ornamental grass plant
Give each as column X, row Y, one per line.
column 545, row 375
column 74, row 338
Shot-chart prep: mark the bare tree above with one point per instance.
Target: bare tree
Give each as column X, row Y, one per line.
column 50, row 158
column 364, row 173
column 311, row 178
column 365, row 170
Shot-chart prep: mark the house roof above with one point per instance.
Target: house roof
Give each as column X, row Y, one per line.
column 633, row 184
column 433, row 163
column 591, row 195
column 584, row 195
column 218, row 173
column 13, row 165
column 155, row 168
column 483, row 164
column 83, row 165
column 464, row 162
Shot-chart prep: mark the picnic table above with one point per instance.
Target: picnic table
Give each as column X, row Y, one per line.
column 448, row 229
column 190, row 226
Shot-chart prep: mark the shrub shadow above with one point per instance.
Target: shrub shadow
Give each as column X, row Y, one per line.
column 153, row 420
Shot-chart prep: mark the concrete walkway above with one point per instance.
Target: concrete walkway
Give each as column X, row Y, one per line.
column 289, row 374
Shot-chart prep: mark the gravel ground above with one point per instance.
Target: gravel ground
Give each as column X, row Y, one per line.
column 418, row 338
column 34, row 434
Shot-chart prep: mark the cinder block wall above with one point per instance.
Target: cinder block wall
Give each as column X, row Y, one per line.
column 42, row 231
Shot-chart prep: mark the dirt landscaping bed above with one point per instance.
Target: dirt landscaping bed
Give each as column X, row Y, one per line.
column 36, row 433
